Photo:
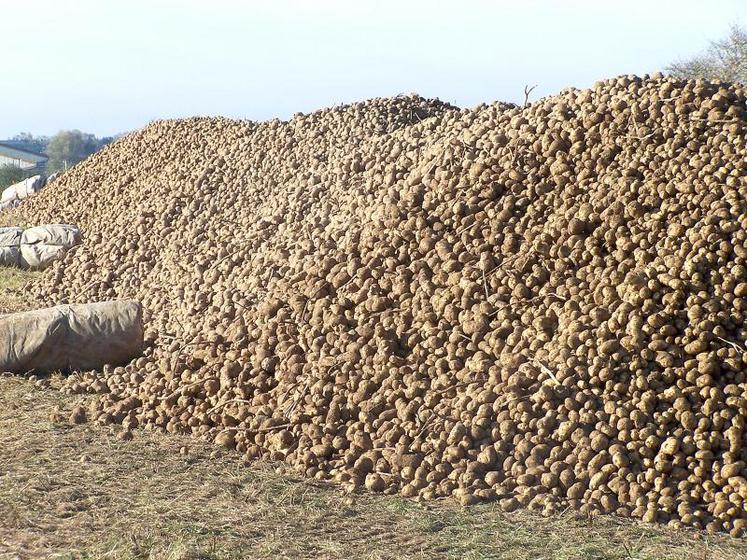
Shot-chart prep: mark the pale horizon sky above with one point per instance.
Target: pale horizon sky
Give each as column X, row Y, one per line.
column 111, row 66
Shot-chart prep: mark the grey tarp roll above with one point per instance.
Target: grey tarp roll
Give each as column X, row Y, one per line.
column 10, row 246
column 71, row 337
column 10, row 236
column 63, row 235
column 38, row 247
column 10, row 256
column 40, row 256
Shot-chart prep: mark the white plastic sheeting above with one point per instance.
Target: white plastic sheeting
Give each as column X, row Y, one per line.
column 11, row 196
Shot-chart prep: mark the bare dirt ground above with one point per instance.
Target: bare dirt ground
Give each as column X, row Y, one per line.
column 78, row 491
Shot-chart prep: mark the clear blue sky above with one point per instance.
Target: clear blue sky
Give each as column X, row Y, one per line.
column 106, row 66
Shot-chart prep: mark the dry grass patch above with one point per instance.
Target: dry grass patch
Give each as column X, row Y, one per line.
column 80, row 492
column 11, row 281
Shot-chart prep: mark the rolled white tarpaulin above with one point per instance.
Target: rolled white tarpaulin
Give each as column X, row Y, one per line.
column 10, row 236
column 10, row 246
column 63, row 235
column 71, row 337
column 38, row 247
column 23, row 189
column 40, row 256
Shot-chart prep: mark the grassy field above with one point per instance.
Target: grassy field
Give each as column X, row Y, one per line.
column 11, row 281
column 79, row 491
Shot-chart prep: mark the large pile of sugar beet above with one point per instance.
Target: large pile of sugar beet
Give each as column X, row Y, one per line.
column 541, row 305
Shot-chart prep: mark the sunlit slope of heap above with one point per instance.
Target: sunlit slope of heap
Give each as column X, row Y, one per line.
column 540, row 305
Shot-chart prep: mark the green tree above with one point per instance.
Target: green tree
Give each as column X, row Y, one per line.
column 68, row 147
column 10, row 175
column 724, row 60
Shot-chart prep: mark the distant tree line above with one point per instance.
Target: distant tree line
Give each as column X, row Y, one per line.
column 64, row 149
column 68, row 147
column 724, row 60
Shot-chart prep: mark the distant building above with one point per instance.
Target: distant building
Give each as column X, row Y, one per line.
column 29, row 161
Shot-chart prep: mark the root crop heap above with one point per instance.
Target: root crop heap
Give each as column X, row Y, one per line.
column 543, row 306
